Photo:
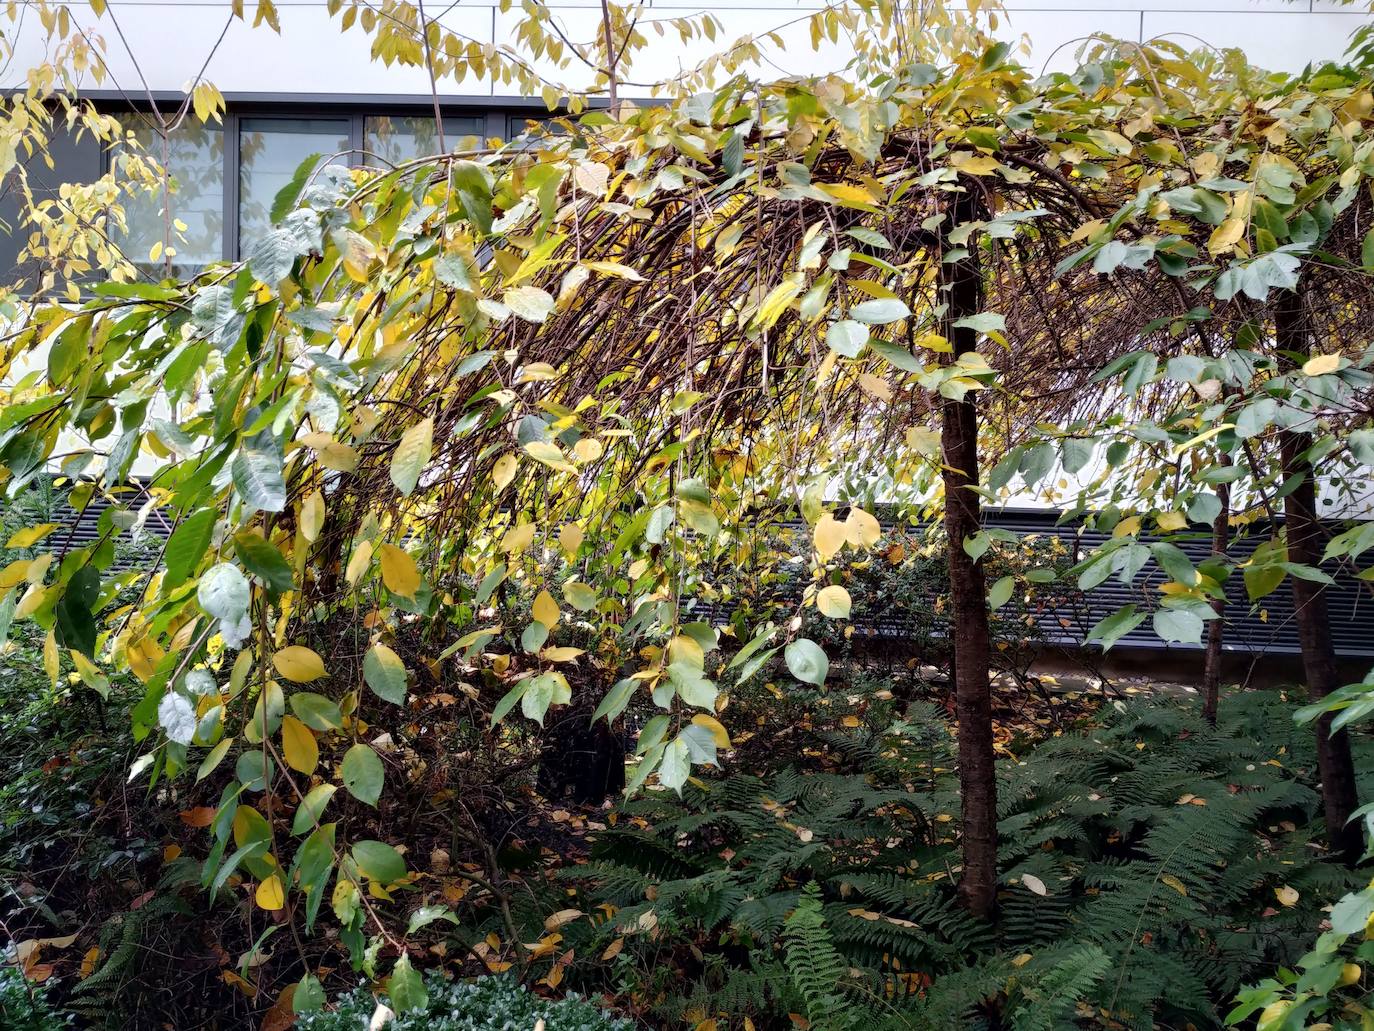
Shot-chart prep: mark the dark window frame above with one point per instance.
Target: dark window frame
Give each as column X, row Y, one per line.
column 504, row 118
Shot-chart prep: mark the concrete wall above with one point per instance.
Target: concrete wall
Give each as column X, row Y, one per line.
column 172, row 41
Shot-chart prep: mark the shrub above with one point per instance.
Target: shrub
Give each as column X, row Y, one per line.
column 487, row 1004
column 24, row 1005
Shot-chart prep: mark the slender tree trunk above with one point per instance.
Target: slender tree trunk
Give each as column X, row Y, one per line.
column 1211, row 670
column 968, row 626
column 1304, row 533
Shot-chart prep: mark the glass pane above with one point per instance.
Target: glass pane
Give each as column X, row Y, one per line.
column 392, row 139
column 270, row 151
column 194, row 159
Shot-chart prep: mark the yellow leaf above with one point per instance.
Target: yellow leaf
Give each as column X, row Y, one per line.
column 833, row 601
column 1322, row 364
column 718, row 733
column 359, row 563
column 862, row 529
column 570, row 537
column 299, row 748
column 561, row 654
column 504, row 471
column 683, row 649
column 1127, row 527
column 549, row 454
column 312, row 516
column 518, row 538
column 30, row 535
column 545, row 609
column 399, row 572
column 299, row 663
column 829, row 537
column 588, row 449
column 1288, row 897
column 14, row 574
column 1226, row 235
column 975, row 164
column 1172, row 521
column 875, row 385
column 1175, row 883
column 271, row 894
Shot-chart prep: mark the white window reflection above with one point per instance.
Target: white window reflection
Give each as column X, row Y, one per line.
column 270, row 151
column 393, row 139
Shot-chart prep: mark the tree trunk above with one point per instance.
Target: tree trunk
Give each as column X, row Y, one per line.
column 968, row 618
column 1211, row 670
column 1304, row 533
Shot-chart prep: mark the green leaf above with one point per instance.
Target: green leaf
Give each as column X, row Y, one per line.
column 312, row 807
column 187, row 546
column 880, row 311
column 378, row 861
column 316, row 711
column 385, row 673
column 676, row 765
column 1178, row 625
column 76, row 627
column 847, row 338
column 223, row 593
column 617, row 698
column 287, row 196
column 264, row 561
column 362, row 774
column 1000, row 592
column 406, row 988
column 806, row 661
column 258, row 479
column 1120, row 623
column 412, row 455
column 308, row 996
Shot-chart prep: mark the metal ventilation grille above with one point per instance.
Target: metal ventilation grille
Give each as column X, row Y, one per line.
column 1269, row 628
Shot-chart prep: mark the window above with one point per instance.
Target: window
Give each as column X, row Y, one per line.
column 193, row 156
column 392, row 139
column 270, row 151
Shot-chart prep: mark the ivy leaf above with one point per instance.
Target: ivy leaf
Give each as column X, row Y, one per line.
column 362, row 774
column 806, row 661
column 412, row 455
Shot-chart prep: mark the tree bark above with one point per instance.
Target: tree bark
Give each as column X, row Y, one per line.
column 1211, row 669
column 1304, row 532
column 968, row 622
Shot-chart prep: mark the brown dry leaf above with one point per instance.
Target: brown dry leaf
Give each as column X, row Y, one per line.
column 563, row 916
column 613, row 950
column 201, row 816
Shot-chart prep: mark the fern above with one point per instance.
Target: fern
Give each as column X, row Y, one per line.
column 814, row 965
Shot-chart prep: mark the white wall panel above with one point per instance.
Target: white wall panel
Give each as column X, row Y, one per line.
column 1281, row 41
column 311, row 56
